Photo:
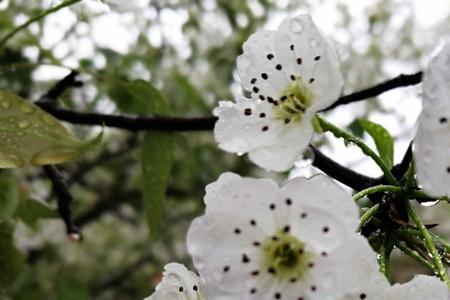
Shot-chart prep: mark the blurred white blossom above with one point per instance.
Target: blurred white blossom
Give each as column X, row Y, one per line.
column 90, row 8
column 178, row 283
column 432, row 143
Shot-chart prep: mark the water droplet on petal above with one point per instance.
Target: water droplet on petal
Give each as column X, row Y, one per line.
column 296, row 26
column 244, row 62
column 313, row 42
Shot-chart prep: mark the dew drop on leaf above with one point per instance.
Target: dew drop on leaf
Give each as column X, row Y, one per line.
column 8, row 160
column 6, row 104
column 26, row 108
column 53, row 156
column 24, row 124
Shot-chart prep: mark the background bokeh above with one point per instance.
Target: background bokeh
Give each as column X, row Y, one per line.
column 187, row 49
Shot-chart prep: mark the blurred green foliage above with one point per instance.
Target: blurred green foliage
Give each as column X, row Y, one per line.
column 116, row 259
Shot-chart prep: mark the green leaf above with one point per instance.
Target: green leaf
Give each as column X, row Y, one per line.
column 148, row 99
column 382, row 139
column 30, row 211
column 156, row 154
column 184, row 95
column 9, row 195
column 71, row 288
column 356, row 128
column 11, row 259
column 31, row 136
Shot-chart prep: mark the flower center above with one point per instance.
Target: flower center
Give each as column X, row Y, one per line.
column 294, row 101
column 285, row 256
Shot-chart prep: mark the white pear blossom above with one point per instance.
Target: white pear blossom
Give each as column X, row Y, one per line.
column 259, row 241
column 432, row 140
column 178, row 283
column 291, row 74
column 90, row 8
column 371, row 286
column 420, row 288
column 130, row 5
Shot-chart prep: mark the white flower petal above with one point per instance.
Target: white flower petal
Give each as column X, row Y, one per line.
column 178, row 283
column 369, row 288
column 370, row 284
column 257, row 66
column 242, row 126
column 291, row 74
column 433, row 134
column 287, row 148
column 327, row 206
column 300, row 40
column 420, row 288
column 347, row 271
column 90, row 8
column 247, row 221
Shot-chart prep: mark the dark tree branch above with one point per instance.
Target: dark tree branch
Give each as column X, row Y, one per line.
column 60, row 188
column 160, row 123
column 400, row 170
column 132, row 123
column 60, row 87
column 61, row 191
column 402, row 80
column 342, row 174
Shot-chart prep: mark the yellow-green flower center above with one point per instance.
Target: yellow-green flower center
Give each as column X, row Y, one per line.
column 294, row 101
column 285, row 257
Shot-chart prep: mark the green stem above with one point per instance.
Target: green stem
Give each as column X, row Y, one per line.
column 384, row 258
column 422, row 194
column 410, row 176
column 428, row 242
column 376, row 189
column 348, row 137
column 414, row 254
column 35, row 19
column 436, row 238
column 368, row 214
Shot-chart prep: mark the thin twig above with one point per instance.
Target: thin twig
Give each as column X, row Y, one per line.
column 60, row 87
column 132, row 123
column 61, row 191
column 35, row 19
column 402, row 80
